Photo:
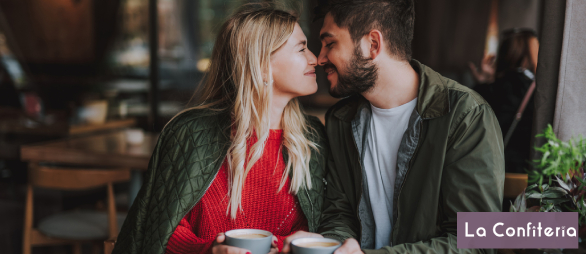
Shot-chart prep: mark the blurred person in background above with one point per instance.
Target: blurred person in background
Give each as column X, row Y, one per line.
column 245, row 156
column 516, row 63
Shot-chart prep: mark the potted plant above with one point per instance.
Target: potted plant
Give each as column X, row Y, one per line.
column 559, row 183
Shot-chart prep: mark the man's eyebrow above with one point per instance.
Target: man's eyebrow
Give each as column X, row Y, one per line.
column 324, row 35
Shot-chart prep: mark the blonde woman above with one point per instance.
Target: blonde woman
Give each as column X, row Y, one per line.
column 244, row 157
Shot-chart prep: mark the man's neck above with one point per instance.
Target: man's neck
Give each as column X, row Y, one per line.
column 397, row 84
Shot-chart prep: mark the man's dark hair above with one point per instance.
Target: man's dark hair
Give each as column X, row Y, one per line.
column 393, row 18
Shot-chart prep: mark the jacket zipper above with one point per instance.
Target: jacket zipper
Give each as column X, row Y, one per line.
column 311, row 205
column 406, row 173
column 361, row 189
column 285, row 158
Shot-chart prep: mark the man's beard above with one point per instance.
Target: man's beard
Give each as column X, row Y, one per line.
column 360, row 77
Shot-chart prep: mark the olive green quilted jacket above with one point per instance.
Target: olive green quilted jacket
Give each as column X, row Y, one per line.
column 186, row 159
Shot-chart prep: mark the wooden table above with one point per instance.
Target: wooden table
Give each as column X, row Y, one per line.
column 98, row 150
column 15, row 121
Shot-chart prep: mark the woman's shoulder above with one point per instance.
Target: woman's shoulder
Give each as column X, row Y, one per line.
column 196, row 119
column 315, row 124
column 201, row 129
column 313, row 121
column 317, row 132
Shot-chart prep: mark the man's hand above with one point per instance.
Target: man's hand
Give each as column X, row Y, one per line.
column 220, row 248
column 298, row 234
column 350, row 246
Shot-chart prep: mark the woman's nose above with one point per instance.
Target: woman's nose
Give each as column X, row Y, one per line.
column 311, row 59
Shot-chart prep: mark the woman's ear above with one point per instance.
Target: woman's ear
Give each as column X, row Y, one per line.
column 267, row 79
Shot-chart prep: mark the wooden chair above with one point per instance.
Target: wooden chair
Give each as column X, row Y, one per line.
column 71, row 227
column 515, row 184
column 109, row 245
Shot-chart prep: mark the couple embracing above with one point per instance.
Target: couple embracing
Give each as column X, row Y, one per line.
column 400, row 154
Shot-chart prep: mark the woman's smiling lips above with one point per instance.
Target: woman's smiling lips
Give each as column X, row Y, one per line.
column 310, row 73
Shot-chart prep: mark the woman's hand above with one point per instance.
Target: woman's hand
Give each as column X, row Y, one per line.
column 486, row 72
column 274, row 246
column 298, row 234
column 220, row 248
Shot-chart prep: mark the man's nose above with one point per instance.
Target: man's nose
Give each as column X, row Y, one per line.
column 322, row 59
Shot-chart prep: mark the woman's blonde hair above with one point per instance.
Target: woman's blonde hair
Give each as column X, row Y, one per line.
column 239, row 68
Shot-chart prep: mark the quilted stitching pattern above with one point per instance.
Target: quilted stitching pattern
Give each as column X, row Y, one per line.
column 186, row 159
column 317, row 168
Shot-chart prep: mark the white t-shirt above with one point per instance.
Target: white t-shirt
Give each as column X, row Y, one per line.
column 380, row 161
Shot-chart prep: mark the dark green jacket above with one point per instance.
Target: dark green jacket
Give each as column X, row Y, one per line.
column 185, row 161
column 450, row 160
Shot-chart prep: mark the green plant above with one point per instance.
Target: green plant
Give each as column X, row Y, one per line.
column 565, row 159
column 559, row 182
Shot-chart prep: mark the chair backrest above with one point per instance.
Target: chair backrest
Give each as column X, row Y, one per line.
column 74, row 179
column 515, row 184
column 109, row 245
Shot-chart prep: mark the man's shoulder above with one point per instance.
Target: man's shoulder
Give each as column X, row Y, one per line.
column 459, row 96
column 461, row 99
column 344, row 109
column 460, row 93
column 465, row 104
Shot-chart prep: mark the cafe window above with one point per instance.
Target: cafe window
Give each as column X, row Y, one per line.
column 187, row 32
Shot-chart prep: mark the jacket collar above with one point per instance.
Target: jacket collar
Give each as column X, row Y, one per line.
column 432, row 98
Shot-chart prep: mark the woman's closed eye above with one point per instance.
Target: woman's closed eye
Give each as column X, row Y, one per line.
column 302, row 50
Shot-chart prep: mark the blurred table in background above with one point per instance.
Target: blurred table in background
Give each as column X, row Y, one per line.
column 17, row 129
column 96, row 150
column 15, row 121
column 81, row 129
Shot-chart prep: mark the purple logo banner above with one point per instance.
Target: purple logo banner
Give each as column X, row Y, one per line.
column 528, row 230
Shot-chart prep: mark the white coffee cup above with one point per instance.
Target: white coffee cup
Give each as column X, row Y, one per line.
column 314, row 245
column 255, row 240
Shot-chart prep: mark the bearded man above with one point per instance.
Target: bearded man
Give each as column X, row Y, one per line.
column 409, row 147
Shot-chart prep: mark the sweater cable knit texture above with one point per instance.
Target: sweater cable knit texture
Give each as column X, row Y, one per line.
column 263, row 206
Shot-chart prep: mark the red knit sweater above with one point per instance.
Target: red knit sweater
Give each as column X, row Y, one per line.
column 263, row 206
